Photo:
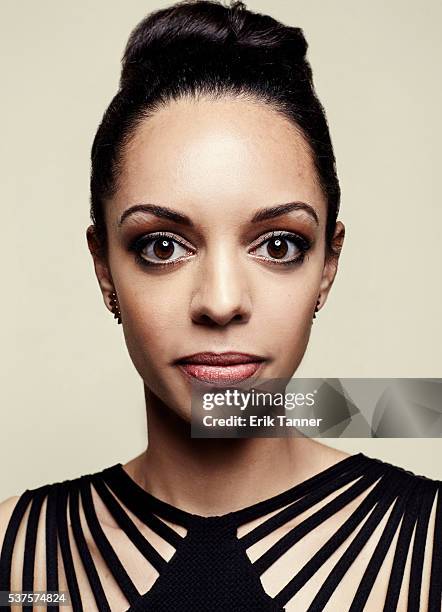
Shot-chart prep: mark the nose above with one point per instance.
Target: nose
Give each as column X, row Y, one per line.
column 222, row 295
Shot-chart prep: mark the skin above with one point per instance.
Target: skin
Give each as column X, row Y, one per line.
column 218, row 162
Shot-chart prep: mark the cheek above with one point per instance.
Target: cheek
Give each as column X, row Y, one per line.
column 284, row 315
column 154, row 317
column 286, row 304
column 151, row 321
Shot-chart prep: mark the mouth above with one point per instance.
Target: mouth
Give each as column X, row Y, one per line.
column 220, row 368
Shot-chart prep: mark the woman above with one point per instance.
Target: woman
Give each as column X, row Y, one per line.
column 215, row 242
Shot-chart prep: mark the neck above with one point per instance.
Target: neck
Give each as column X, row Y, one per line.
column 216, row 476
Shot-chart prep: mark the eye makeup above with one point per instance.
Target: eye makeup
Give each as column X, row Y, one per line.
column 158, row 244
column 280, row 242
column 281, row 247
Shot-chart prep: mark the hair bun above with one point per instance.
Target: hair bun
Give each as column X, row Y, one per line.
column 197, row 27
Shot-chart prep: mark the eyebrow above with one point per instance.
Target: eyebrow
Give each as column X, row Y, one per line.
column 159, row 211
column 263, row 214
column 282, row 209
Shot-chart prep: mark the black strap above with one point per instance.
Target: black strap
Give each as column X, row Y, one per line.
column 347, row 465
column 434, row 601
column 119, row 573
column 338, row 538
column 30, row 542
column 51, row 542
column 298, row 507
column 297, row 533
column 84, row 552
column 9, row 541
column 140, row 503
column 409, row 519
column 128, row 526
column 398, row 487
column 419, row 545
column 66, row 553
column 374, row 565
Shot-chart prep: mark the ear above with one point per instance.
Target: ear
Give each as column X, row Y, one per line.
column 102, row 270
column 331, row 264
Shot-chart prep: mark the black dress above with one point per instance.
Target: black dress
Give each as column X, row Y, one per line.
column 388, row 544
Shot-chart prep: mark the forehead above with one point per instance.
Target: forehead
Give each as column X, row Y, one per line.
column 205, row 153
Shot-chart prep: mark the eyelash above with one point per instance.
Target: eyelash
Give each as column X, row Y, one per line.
column 301, row 243
column 140, row 243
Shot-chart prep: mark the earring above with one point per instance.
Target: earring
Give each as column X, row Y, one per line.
column 115, row 307
column 316, row 308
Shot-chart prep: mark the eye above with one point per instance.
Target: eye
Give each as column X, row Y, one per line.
column 160, row 248
column 281, row 247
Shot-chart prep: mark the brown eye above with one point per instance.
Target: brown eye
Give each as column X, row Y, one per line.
column 157, row 249
column 277, row 247
column 281, row 248
column 163, row 248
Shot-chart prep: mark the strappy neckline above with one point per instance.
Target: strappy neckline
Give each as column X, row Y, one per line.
column 211, row 563
column 131, row 493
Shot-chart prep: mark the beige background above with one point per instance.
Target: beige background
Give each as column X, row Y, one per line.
column 71, row 401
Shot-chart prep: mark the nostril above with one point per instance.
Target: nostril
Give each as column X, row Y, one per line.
column 206, row 320
column 215, row 321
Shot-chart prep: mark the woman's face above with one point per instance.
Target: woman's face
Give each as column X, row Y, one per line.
column 216, row 243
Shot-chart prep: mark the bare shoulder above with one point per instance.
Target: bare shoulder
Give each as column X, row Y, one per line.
column 7, row 507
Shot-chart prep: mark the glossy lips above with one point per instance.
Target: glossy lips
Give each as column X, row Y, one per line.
column 221, row 368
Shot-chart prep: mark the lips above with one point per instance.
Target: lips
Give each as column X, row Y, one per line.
column 221, row 368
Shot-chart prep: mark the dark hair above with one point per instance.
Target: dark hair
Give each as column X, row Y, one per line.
column 206, row 48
